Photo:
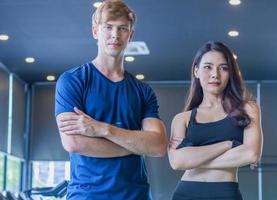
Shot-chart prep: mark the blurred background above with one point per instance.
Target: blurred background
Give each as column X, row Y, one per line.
column 41, row 39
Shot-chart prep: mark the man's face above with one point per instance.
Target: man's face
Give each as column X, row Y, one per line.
column 113, row 36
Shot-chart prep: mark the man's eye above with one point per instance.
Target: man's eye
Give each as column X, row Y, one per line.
column 123, row 29
column 108, row 27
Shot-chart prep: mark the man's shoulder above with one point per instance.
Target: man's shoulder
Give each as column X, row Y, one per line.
column 78, row 72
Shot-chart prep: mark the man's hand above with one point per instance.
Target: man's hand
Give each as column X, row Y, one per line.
column 79, row 123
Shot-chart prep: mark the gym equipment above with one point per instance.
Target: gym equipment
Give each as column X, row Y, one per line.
column 58, row 191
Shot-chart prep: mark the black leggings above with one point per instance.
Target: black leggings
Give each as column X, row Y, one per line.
column 193, row 190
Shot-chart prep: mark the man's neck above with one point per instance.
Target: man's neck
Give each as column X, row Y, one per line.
column 110, row 67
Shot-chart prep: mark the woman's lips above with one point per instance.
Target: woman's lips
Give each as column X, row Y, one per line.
column 214, row 83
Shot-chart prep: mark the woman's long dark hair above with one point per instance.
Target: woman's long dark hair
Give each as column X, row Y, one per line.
column 235, row 95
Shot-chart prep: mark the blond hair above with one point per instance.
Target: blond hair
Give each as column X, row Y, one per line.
column 113, row 9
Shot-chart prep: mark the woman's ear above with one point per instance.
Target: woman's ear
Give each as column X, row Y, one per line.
column 195, row 71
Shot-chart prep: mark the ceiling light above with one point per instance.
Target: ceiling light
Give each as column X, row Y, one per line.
column 235, row 56
column 97, row 4
column 50, row 78
column 129, row 58
column 140, row 76
column 4, row 37
column 234, row 2
column 29, row 60
column 136, row 48
column 233, row 33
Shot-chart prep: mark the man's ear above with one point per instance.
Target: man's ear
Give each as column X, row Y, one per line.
column 94, row 30
column 195, row 71
column 131, row 35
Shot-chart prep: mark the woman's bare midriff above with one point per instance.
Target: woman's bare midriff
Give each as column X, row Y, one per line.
column 211, row 175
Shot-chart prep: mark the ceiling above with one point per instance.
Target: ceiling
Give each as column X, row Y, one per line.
column 57, row 34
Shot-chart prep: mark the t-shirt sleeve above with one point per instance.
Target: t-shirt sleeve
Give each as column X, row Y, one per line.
column 68, row 93
column 151, row 107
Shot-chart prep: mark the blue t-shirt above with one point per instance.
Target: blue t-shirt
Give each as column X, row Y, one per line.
column 124, row 104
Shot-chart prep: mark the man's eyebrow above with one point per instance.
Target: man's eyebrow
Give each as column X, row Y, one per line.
column 106, row 23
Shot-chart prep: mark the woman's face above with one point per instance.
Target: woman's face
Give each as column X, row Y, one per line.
column 213, row 72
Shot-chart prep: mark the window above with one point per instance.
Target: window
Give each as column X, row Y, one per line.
column 13, row 174
column 1, row 171
column 48, row 174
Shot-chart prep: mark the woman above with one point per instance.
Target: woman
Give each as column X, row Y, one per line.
column 219, row 130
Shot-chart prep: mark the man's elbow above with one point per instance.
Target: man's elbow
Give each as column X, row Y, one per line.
column 70, row 144
column 160, row 151
column 70, row 148
column 159, row 154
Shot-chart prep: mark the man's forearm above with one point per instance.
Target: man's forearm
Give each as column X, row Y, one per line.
column 149, row 143
column 93, row 147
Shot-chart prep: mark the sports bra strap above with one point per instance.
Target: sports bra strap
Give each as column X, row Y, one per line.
column 192, row 116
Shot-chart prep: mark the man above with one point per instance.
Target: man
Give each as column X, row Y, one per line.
column 106, row 118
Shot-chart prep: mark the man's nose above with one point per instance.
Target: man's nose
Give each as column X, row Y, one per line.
column 114, row 32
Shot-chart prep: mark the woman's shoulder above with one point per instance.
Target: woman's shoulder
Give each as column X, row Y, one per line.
column 252, row 108
column 182, row 117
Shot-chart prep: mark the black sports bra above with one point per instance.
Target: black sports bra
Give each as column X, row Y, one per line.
column 199, row 134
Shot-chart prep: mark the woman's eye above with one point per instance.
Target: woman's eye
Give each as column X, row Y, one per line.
column 224, row 68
